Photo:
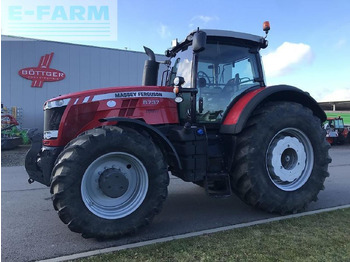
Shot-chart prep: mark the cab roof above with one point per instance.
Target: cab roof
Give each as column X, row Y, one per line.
column 232, row 34
column 247, row 39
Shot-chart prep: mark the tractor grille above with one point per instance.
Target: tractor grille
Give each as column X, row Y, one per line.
column 52, row 118
column 128, row 107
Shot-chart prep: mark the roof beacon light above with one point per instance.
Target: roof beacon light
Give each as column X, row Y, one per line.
column 266, row 27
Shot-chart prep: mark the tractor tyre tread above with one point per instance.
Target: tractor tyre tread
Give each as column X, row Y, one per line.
column 250, row 181
column 70, row 167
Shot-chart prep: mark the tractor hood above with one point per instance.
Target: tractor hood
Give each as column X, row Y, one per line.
column 69, row 115
column 110, row 93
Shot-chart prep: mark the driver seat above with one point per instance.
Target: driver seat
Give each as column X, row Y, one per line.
column 202, row 82
column 232, row 84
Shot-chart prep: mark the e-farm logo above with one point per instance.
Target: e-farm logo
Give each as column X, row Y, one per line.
column 60, row 20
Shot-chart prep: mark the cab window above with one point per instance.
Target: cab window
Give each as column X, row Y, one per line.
column 223, row 72
column 181, row 65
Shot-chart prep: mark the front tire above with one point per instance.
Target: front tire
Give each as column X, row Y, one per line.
column 282, row 158
column 109, row 182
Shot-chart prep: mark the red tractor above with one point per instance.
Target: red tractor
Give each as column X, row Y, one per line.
column 337, row 132
column 107, row 153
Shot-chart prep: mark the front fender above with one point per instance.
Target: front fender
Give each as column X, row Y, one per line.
column 237, row 116
column 161, row 140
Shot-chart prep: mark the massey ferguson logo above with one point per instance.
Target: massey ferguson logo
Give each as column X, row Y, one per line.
column 42, row 73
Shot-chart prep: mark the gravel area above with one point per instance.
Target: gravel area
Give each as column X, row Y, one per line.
column 14, row 157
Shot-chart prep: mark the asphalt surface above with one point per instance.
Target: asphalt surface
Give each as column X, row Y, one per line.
column 31, row 229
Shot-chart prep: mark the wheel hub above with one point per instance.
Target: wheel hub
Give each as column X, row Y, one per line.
column 288, row 159
column 113, row 182
column 114, row 185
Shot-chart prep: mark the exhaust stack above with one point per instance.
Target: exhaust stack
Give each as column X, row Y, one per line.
column 150, row 70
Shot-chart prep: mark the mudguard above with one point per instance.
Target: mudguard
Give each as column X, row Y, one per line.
column 236, row 117
column 158, row 136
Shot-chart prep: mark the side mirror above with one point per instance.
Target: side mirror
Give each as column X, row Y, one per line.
column 199, row 40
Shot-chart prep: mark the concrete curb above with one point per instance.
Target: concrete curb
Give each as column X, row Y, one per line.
column 187, row 235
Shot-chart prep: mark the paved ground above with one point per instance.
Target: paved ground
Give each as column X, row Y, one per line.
column 31, row 229
column 14, row 157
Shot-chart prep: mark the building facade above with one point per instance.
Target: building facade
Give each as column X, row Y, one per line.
column 33, row 71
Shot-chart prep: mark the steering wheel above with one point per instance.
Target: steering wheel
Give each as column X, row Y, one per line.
column 202, row 74
column 232, row 85
column 244, row 80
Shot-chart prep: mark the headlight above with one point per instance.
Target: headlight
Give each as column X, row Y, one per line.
column 56, row 103
column 179, row 81
column 50, row 134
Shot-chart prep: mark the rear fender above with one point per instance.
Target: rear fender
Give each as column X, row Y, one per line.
column 237, row 116
column 158, row 137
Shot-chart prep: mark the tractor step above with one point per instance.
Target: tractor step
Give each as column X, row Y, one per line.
column 218, row 185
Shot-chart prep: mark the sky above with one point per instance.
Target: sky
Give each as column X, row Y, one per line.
column 309, row 41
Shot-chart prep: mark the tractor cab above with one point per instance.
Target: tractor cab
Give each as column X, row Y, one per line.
column 337, row 123
column 212, row 68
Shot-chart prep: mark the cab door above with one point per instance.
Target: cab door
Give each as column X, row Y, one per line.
column 223, row 73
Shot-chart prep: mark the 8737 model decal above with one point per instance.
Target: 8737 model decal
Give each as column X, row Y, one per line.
column 150, row 102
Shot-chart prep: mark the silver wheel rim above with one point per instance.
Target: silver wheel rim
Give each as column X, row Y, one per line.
column 133, row 172
column 289, row 159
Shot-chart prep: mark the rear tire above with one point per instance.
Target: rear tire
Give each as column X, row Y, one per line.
column 109, row 182
column 282, row 158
